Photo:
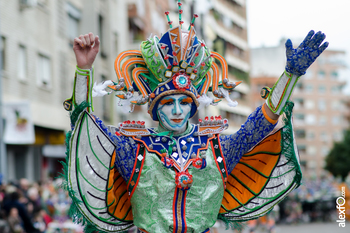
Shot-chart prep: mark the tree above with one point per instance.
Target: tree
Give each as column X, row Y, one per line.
column 338, row 159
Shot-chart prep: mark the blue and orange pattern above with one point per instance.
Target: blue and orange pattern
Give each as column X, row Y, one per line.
column 251, row 133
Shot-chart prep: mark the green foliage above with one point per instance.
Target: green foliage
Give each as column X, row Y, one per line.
column 338, row 159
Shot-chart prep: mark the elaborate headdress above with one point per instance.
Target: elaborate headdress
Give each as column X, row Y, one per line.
column 178, row 62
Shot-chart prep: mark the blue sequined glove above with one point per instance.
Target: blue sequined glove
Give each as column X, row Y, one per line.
column 300, row 59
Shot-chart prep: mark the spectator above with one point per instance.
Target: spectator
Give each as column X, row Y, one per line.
column 13, row 202
column 14, row 221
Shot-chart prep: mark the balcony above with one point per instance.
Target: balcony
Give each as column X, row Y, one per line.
column 226, row 34
column 236, row 6
column 237, row 62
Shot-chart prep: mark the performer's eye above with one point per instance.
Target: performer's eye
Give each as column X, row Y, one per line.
column 186, row 101
column 167, row 102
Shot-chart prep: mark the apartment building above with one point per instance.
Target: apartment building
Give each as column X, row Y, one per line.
column 319, row 111
column 226, row 32
column 38, row 70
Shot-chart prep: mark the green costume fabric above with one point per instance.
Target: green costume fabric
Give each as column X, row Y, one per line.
column 152, row 200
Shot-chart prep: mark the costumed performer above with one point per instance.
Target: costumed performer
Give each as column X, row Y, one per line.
column 179, row 177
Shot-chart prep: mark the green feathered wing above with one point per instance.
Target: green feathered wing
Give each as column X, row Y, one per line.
column 100, row 198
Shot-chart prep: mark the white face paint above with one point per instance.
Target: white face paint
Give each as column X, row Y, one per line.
column 174, row 111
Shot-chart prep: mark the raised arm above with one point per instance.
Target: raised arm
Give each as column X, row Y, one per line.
column 86, row 47
column 263, row 120
column 298, row 61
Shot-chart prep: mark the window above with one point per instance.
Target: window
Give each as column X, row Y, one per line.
column 310, row 119
column 227, row 22
column 298, row 103
column 336, row 90
column 322, row 106
column 323, row 120
column 311, row 150
column 22, row 63
column 335, row 120
column 321, row 74
column 101, row 31
column 324, row 151
column 299, row 118
column 324, row 136
column 300, row 133
column 309, row 104
column 73, row 22
column 334, row 75
column 301, row 148
column 310, row 135
column 3, row 53
column 321, row 89
column 44, row 71
column 309, row 88
column 336, row 105
column 299, row 86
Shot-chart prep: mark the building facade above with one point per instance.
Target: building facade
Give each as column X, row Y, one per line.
column 38, row 69
column 226, row 33
column 39, row 64
column 319, row 110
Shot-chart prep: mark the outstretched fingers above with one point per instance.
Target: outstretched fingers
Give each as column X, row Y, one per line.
column 322, row 47
column 289, row 47
column 306, row 40
column 317, row 40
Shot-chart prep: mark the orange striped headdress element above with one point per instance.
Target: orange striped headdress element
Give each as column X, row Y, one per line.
column 178, row 53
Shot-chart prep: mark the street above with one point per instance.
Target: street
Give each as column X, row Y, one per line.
column 303, row 228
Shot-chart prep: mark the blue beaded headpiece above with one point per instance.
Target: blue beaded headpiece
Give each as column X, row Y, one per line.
column 177, row 63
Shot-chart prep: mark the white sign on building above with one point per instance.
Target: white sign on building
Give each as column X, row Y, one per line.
column 19, row 128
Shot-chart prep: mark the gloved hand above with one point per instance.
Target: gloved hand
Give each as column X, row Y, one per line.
column 300, row 59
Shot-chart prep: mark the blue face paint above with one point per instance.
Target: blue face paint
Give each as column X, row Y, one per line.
column 174, row 113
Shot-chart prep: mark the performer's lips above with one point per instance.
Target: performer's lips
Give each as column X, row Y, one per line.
column 177, row 120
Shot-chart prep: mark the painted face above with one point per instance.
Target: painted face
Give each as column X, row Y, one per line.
column 174, row 111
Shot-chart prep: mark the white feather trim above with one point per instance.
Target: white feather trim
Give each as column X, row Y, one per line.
column 204, row 101
column 231, row 103
column 99, row 89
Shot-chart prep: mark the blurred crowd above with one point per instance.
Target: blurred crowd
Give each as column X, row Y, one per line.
column 313, row 201
column 43, row 207
column 34, row 207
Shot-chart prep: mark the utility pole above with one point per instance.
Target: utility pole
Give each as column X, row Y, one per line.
column 3, row 154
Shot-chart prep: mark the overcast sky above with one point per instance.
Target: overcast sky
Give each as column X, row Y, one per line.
column 270, row 20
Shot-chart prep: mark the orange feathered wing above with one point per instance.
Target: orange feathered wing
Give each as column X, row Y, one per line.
column 118, row 202
column 261, row 179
